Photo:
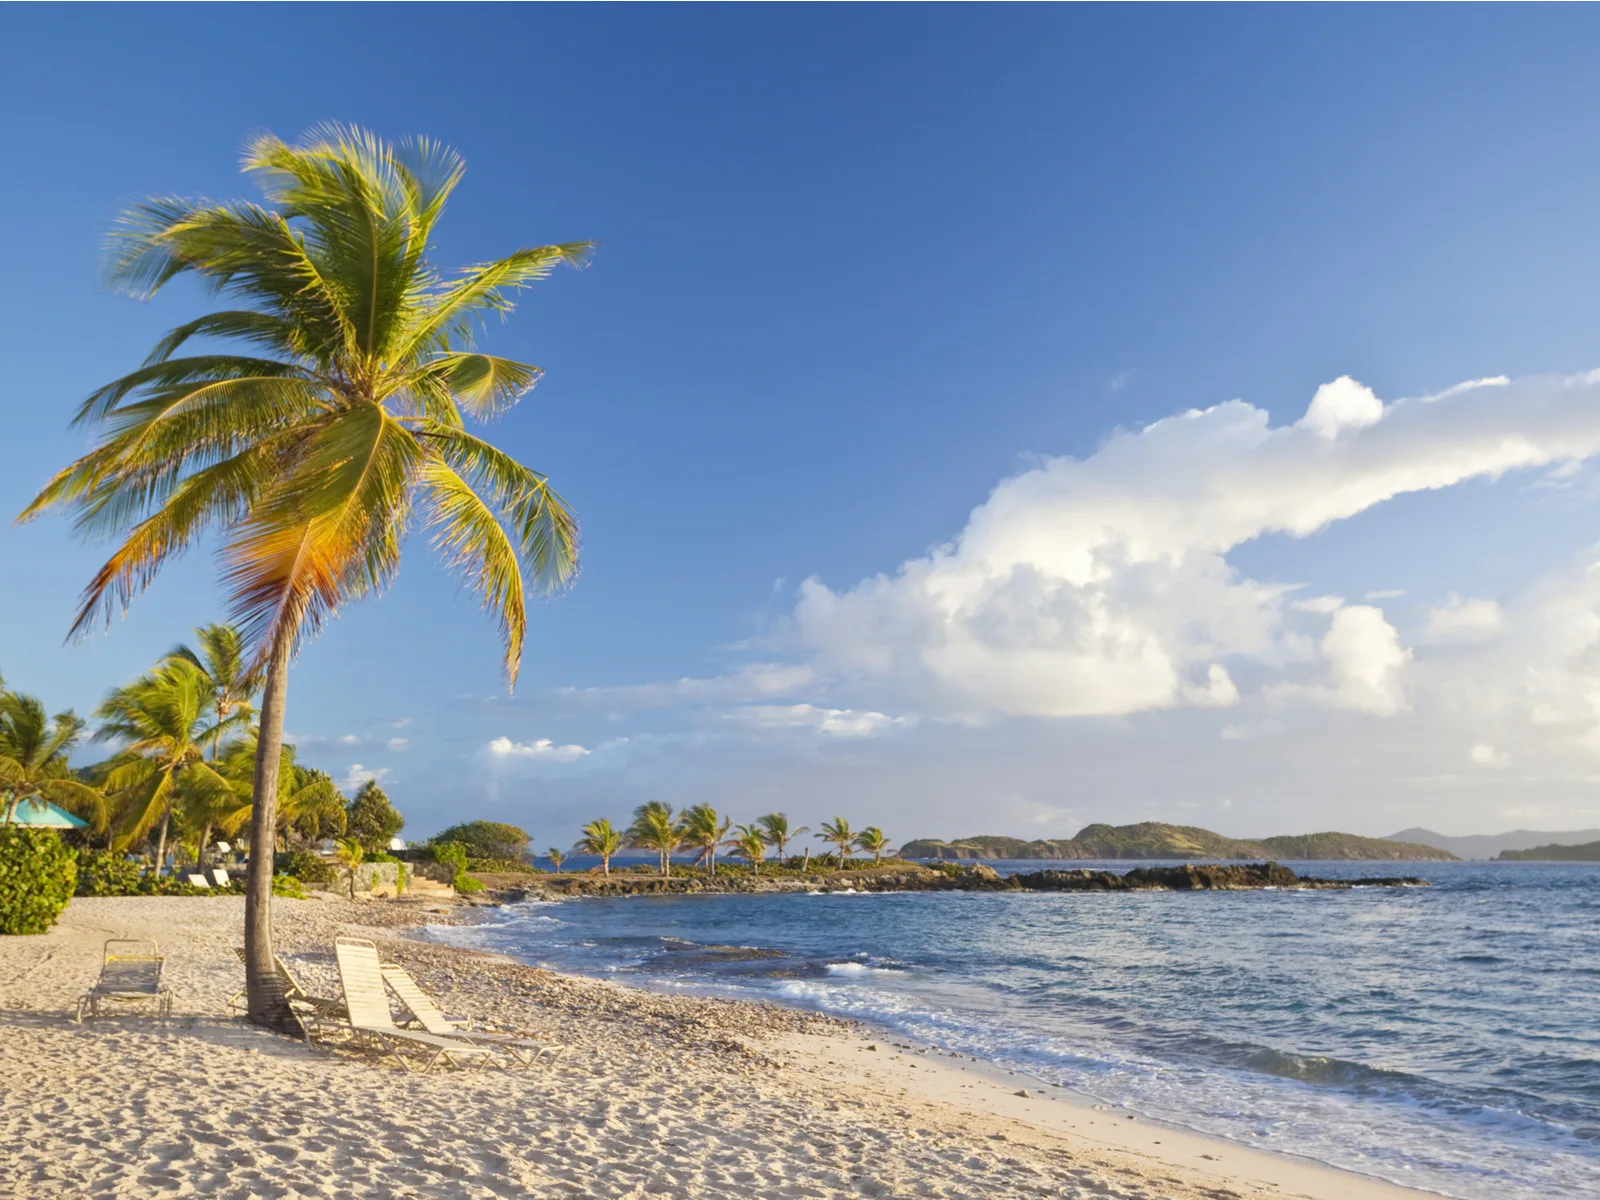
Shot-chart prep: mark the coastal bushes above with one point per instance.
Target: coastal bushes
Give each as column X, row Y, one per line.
column 307, row 868
column 489, row 841
column 106, row 873
column 37, row 874
column 454, row 855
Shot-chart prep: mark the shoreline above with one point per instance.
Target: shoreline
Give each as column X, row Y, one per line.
column 670, row 1095
column 1051, row 1108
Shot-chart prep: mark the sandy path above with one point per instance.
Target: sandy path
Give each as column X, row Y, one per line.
column 660, row 1096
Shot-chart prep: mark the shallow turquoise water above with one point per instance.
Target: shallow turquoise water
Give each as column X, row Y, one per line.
column 1446, row 1037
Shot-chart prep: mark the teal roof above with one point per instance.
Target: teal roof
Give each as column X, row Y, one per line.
column 46, row 815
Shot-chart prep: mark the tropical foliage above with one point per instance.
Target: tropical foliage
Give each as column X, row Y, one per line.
column 654, row 829
column 602, row 839
column 775, row 829
column 371, row 819
column 871, row 841
column 348, row 853
column 837, row 832
column 161, row 720
column 749, row 843
column 487, row 839
column 332, row 422
column 33, row 759
column 37, row 874
column 704, row 830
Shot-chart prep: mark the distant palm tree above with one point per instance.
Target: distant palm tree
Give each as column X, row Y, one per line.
column 33, row 760
column 161, row 718
column 750, row 844
column 556, row 858
column 230, row 677
column 308, row 800
column 332, row 426
column 872, row 841
column 654, row 829
column 775, row 828
column 838, row 833
column 599, row 837
column 349, row 854
column 704, row 829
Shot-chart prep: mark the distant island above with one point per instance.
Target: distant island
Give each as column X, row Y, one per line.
column 1553, row 853
column 1152, row 839
column 1491, row 845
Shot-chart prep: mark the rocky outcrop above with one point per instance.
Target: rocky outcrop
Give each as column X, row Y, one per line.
column 945, row 878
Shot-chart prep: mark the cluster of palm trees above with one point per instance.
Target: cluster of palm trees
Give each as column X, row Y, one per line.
column 705, row 831
column 186, row 761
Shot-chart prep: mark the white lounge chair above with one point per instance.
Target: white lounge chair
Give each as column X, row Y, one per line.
column 130, row 973
column 361, row 973
column 220, row 877
column 199, row 881
column 526, row 1051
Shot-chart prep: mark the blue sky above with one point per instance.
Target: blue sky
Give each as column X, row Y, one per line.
column 858, row 267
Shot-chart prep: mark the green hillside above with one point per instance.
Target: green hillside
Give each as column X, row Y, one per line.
column 1588, row 852
column 1153, row 839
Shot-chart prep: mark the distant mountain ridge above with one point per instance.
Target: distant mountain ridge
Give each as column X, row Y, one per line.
column 1491, row 845
column 1152, row 839
column 1558, row 852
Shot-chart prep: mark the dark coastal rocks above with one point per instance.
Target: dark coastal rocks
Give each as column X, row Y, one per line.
column 976, row 877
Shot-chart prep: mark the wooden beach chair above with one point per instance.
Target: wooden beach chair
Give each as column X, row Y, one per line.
column 526, row 1051
column 316, row 1013
column 361, row 973
column 130, row 973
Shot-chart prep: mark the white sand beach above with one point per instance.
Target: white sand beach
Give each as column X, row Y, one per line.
column 658, row 1096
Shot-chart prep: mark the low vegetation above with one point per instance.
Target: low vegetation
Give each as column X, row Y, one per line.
column 1155, row 840
column 37, row 875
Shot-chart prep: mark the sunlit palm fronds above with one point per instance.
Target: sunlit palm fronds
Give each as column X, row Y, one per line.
column 341, row 423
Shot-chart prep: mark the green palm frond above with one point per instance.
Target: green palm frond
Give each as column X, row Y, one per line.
column 305, row 424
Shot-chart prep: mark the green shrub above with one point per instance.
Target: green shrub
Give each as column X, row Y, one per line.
column 306, row 867
column 487, row 840
column 508, row 866
column 37, row 874
column 454, row 855
column 106, row 873
column 288, row 885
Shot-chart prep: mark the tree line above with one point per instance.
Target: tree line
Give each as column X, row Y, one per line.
column 184, row 774
column 705, row 831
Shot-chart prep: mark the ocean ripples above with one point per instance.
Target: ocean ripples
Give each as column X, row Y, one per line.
column 1443, row 1038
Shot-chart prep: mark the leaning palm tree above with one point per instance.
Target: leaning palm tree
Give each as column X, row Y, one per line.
column 349, row 854
column 33, row 760
column 775, row 828
column 600, row 837
column 334, row 424
column 750, row 844
column 162, row 719
column 871, row 841
column 556, row 858
column 654, row 829
column 704, row 830
column 231, row 678
column 838, row 833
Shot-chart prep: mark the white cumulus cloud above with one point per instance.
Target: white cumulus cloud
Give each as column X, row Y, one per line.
column 835, row 722
column 1102, row 586
column 1465, row 620
column 358, row 775
column 1485, row 755
column 543, row 748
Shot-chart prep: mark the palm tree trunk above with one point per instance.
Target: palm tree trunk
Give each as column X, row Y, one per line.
column 161, row 839
column 605, row 864
column 263, row 991
column 200, row 854
column 805, row 867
